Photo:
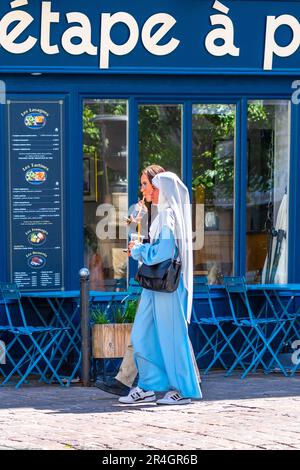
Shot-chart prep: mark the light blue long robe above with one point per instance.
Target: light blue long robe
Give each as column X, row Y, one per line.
column 160, row 333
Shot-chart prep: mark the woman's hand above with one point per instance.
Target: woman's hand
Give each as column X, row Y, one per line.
column 130, row 246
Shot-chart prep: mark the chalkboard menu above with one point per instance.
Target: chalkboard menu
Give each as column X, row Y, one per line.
column 35, row 147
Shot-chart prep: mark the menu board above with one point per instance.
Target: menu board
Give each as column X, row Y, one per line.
column 35, row 147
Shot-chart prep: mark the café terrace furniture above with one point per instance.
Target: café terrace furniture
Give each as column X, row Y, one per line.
column 57, row 337
column 213, row 327
column 64, row 307
column 8, row 339
column 264, row 319
column 35, row 341
column 263, row 330
column 281, row 299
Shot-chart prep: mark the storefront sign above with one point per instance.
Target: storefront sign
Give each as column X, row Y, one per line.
column 35, row 139
column 166, row 36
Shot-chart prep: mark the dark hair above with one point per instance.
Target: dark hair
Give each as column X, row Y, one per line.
column 151, row 171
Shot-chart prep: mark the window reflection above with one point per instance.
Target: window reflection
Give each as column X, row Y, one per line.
column 213, row 183
column 160, row 136
column 267, row 200
column 105, row 192
column 160, row 143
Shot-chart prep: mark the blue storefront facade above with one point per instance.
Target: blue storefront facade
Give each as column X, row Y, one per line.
column 94, row 93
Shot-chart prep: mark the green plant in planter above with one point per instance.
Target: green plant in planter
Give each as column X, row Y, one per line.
column 131, row 310
column 98, row 315
column 118, row 316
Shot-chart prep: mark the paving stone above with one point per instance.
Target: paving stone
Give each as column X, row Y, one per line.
column 259, row 412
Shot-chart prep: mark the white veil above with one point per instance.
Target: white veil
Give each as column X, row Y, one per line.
column 174, row 194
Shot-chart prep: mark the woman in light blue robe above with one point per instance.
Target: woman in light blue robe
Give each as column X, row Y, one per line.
column 162, row 350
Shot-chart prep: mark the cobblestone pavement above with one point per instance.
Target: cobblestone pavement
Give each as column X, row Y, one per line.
column 260, row 412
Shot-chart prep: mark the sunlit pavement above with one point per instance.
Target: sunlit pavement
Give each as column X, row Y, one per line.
column 259, row 412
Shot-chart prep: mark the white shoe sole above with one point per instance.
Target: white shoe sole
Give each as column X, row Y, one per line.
column 179, row 402
column 140, row 400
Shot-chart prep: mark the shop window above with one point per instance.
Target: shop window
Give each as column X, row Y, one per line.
column 160, row 143
column 267, row 187
column 105, row 155
column 160, row 136
column 213, row 188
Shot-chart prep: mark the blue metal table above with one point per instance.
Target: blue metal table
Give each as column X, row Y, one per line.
column 279, row 297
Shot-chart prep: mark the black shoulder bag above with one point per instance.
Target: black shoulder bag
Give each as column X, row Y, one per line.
column 161, row 277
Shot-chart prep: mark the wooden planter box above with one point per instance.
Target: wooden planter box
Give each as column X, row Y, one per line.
column 110, row 340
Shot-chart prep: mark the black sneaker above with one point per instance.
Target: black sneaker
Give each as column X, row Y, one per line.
column 113, row 386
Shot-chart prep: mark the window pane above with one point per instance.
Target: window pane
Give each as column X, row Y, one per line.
column 105, row 192
column 160, row 136
column 213, row 183
column 267, row 201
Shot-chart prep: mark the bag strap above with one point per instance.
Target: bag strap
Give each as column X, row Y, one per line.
column 176, row 256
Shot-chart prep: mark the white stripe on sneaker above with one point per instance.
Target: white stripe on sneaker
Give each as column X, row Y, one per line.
column 173, row 398
column 137, row 395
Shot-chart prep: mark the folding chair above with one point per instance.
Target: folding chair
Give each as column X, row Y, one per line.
column 291, row 326
column 5, row 347
column 35, row 341
column 261, row 334
column 9, row 339
column 69, row 341
column 219, row 339
column 2, row 355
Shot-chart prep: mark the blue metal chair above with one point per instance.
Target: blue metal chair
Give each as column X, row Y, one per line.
column 35, row 341
column 261, row 335
column 70, row 340
column 69, row 343
column 14, row 340
column 219, row 340
column 2, row 355
column 282, row 311
column 9, row 340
